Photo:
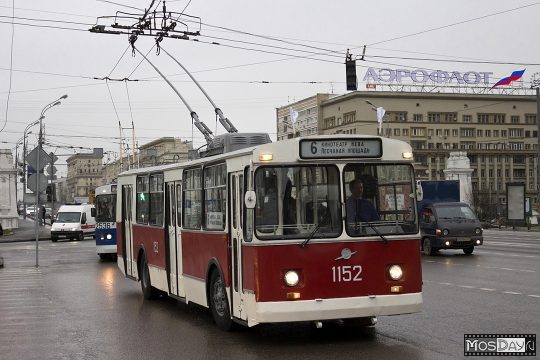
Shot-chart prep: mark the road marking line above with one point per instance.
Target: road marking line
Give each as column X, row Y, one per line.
column 512, row 293
column 536, row 296
column 466, row 286
column 446, row 283
column 488, row 289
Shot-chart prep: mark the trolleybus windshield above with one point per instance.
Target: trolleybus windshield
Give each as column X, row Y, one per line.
column 379, row 199
column 106, row 208
column 294, row 201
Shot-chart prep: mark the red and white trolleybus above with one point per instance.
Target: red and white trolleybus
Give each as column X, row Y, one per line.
column 265, row 232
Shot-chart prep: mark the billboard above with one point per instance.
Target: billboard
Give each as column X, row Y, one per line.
column 515, row 204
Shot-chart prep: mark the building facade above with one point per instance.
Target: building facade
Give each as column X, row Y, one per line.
column 498, row 132
column 165, row 150
column 303, row 114
column 83, row 175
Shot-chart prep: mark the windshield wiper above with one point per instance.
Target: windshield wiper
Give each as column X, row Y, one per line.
column 311, row 235
column 377, row 232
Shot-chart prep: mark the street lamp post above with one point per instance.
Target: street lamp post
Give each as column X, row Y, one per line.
column 25, row 133
column 40, row 141
column 380, row 117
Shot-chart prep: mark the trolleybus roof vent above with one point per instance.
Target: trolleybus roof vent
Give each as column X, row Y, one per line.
column 235, row 141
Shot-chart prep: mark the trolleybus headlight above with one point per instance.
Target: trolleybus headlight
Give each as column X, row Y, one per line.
column 395, row 272
column 73, row 229
column 438, row 232
column 291, row 278
column 478, row 231
column 109, row 236
column 445, row 232
column 102, row 237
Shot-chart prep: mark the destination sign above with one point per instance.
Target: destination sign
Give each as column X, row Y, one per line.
column 340, row 148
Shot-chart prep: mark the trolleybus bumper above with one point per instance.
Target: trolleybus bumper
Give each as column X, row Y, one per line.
column 106, row 249
column 340, row 308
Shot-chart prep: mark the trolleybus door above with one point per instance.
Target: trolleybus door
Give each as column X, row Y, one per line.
column 127, row 238
column 178, row 241
column 174, row 191
column 236, row 206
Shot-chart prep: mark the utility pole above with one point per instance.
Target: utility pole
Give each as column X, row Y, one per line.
column 133, row 143
column 535, row 84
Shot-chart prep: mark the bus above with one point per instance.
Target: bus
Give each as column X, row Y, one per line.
column 105, row 203
column 263, row 232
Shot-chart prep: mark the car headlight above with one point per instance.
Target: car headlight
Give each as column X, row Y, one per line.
column 445, row 232
column 478, row 231
column 395, row 272
column 109, row 236
column 291, row 278
column 73, row 229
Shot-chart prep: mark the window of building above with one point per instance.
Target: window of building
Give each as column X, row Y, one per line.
column 349, row 117
column 487, row 133
column 143, row 200
column 530, row 118
column 397, row 115
column 514, row 119
column 478, row 133
column 499, row 118
column 504, row 133
column 455, row 132
column 192, row 199
column 418, row 117
column 446, row 132
column 495, row 133
column 215, row 196
column 418, row 131
column 466, row 132
column 397, row 132
column 467, row 118
column 513, row 132
column 330, row 122
column 405, row 132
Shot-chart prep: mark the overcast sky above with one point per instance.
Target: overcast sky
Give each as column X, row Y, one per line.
column 87, row 118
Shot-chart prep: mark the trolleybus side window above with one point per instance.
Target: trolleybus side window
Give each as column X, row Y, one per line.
column 192, row 199
column 143, row 200
column 215, row 196
column 179, row 205
column 156, row 200
column 297, row 202
column 379, row 198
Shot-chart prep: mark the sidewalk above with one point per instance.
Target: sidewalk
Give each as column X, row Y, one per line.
column 25, row 232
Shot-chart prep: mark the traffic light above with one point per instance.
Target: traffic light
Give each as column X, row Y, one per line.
column 51, row 193
column 350, row 69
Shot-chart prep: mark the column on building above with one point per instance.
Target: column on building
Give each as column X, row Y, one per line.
column 8, row 191
column 458, row 167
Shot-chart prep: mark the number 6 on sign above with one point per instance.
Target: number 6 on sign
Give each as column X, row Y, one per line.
column 346, row 273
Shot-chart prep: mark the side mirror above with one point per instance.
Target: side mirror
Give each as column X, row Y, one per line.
column 83, row 219
column 250, row 199
column 93, row 212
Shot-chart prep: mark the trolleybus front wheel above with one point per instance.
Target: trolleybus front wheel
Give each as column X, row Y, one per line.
column 148, row 291
column 219, row 303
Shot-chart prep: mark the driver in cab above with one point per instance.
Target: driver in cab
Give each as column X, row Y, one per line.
column 359, row 209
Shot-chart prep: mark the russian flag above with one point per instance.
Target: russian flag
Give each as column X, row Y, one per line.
column 516, row 75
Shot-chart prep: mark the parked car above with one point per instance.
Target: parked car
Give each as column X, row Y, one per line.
column 31, row 210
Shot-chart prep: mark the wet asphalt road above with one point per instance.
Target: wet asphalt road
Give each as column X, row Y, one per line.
column 76, row 307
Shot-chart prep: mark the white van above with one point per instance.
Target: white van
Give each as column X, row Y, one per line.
column 74, row 222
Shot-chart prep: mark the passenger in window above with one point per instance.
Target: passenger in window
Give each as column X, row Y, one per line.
column 358, row 208
column 268, row 215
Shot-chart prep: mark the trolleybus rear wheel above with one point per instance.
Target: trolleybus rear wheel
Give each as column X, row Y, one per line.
column 219, row 303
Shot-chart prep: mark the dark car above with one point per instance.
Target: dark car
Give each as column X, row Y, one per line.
column 449, row 225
